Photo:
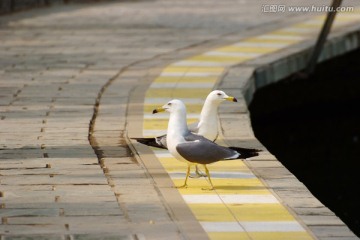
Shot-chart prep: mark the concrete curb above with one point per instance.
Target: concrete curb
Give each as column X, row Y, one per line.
column 274, row 67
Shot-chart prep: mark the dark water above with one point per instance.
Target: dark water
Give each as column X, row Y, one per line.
column 313, row 127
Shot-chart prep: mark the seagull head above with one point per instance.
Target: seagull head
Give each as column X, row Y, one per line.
column 217, row 96
column 172, row 106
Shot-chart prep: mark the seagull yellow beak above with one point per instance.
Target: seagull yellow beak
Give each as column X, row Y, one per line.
column 157, row 110
column 231, row 99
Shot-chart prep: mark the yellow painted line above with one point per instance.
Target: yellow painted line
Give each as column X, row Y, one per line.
column 246, row 189
column 191, row 108
column 185, row 85
column 161, row 101
column 347, row 17
column 236, row 54
column 289, row 33
column 222, row 186
column 248, row 49
column 261, row 45
column 241, row 206
column 309, row 25
column 160, row 124
column 243, row 212
column 343, row 17
column 172, row 165
column 259, row 235
column 321, row 18
column 261, row 212
column 249, row 226
column 262, row 40
column 177, row 93
column 199, row 63
column 191, row 71
column 156, row 124
column 189, row 74
column 212, row 212
column 229, row 199
column 274, row 36
column 153, row 133
column 200, row 79
column 207, row 58
column 194, row 69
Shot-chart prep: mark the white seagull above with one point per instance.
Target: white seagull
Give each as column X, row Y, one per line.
column 195, row 149
column 207, row 126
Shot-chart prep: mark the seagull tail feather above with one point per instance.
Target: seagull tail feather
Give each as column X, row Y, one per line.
column 246, row 152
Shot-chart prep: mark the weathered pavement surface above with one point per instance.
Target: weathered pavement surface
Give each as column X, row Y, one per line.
column 65, row 173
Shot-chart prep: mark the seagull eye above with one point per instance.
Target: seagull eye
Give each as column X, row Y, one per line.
column 169, row 104
column 219, row 94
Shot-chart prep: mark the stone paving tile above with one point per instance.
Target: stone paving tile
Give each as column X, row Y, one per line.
column 102, row 237
column 54, row 180
column 34, row 237
column 16, row 229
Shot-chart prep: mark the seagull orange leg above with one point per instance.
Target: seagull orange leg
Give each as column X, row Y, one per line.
column 186, row 178
column 208, row 175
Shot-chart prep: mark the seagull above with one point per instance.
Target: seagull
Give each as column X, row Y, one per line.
column 207, row 126
column 194, row 149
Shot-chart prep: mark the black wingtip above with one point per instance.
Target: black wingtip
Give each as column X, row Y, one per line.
column 151, row 142
column 246, row 152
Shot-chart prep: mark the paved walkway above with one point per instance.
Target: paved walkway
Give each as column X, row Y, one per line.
column 78, row 74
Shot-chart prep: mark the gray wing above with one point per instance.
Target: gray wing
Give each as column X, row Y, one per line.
column 190, row 136
column 161, row 140
column 195, row 129
column 203, row 151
